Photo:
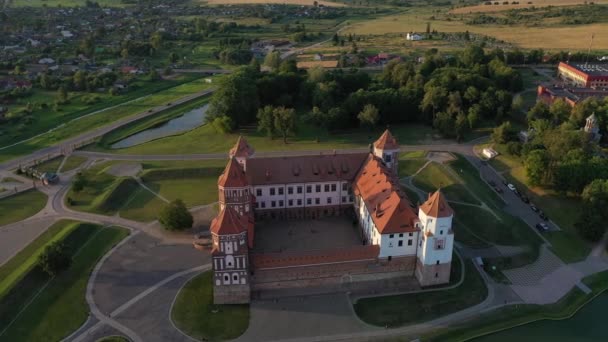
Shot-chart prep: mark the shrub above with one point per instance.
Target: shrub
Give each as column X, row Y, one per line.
column 55, row 259
column 175, row 216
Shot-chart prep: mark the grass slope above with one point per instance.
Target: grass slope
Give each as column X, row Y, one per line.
column 21, row 206
column 58, row 305
column 195, row 314
column 435, row 176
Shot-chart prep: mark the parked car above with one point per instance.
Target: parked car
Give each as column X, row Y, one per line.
column 542, row 215
column 525, row 198
column 511, row 187
column 542, row 227
column 533, row 207
column 499, row 190
column 504, row 181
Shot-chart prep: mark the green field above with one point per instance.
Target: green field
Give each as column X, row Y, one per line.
column 399, row 310
column 39, row 308
column 21, row 206
column 435, row 176
column 408, row 166
column 145, row 101
column 195, row 314
column 72, row 162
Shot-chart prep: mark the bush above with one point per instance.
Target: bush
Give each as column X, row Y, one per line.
column 55, row 259
column 175, row 216
column 79, row 182
column 514, row 148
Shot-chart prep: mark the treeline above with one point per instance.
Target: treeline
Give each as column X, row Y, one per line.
column 453, row 94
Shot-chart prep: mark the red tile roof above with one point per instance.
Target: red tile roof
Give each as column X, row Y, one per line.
column 304, row 169
column 233, row 176
column 229, row 222
column 241, row 148
column 386, row 141
column 316, row 257
column 437, row 206
column 389, row 207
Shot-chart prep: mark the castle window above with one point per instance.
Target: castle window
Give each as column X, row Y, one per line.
column 326, row 187
column 391, row 236
column 387, row 158
column 400, row 234
column 308, row 201
column 308, row 189
column 420, row 243
column 328, row 200
column 299, row 201
column 343, row 198
column 436, row 275
column 273, row 204
column 226, row 278
column 318, row 188
column 441, row 232
column 263, row 204
column 299, row 189
column 400, row 243
column 281, row 203
column 258, row 192
column 290, row 190
column 290, row 202
column 409, row 242
column 350, row 198
column 235, row 277
column 440, row 244
column 271, row 191
column 281, row 191
column 437, row 262
column 344, row 186
column 333, row 187
column 255, row 205
column 411, row 234
column 317, row 200
column 390, row 245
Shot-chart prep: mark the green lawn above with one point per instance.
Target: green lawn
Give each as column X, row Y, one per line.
column 98, row 183
column 193, row 191
column 114, row 339
column 21, row 206
column 57, row 306
column 19, row 265
column 470, row 175
column 394, row 311
column 467, row 237
column 72, row 162
column 51, row 165
column 435, row 176
column 142, row 206
column 195, row 314
column 412, row 195
column 516, row 315
column 408, row 167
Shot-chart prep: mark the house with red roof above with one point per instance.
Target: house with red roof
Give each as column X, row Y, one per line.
column 396, row 236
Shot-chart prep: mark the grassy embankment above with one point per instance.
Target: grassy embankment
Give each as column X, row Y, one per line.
column 516, row 315
column 189, row 85
column 561, row 209
column 195, row 314
column 394, row 311
column 194, row 182
column 36, row 307
column 21, row 206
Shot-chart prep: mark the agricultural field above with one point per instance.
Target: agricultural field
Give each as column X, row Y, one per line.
column 282, row 2
column 482, row 8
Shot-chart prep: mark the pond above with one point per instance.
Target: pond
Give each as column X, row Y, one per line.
column 586, row 325
column 189, row 121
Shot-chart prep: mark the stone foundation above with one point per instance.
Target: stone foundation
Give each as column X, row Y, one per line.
column 231, row 294
column 430, row 275
column 300, row 213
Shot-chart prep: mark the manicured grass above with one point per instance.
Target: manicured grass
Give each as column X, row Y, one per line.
column 470, row 175
column 195, row 314
column 193, row 191
column 408, row 167
column 19, row 265
column 463, row 235
column 142, row 206
column 51, row 165
column 434, row 176
column 72, row 162
column 114, row 339
column 98, row 183
column 412, row 155
column 57, row 306
column 394, row 311
column 21, row 206
column 411, row 194
column 516, row 315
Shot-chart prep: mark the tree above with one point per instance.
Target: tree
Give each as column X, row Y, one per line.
column 284, row 121
column 272, row 60
column 539, row 111
column 369, row 116
column 62, row 95
column 503, row 133
column 79, row 182
column 591, row 225
column 175, row 216
column 560, row 111
column 124, row 53
column 316, row 74
column 236, row 97
column 255, row 64
column 156, row 40
column 173, row 57
column 536, row 164
column 54, row 259
column 518, row 103
column 80, row 80
column 153, row 75
column 433, row 100
column 462, row 126
column 265, row 118
column 335, row 39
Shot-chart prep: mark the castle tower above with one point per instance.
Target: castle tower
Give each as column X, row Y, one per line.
column 387, row 149
column 230, row 257
column 436, row 241
column 233, row 188
column 592, row 127
column 241, row 151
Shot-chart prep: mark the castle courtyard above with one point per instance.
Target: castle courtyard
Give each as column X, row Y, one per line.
column 306, row 235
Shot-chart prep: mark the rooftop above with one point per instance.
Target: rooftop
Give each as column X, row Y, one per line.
column 595, row 69
column 437, row 206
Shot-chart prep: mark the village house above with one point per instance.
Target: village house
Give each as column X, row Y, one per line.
column 397, row 238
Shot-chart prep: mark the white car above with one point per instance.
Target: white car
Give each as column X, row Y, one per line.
column 511, row 187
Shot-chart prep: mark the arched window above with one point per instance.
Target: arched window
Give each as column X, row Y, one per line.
column 229, row 261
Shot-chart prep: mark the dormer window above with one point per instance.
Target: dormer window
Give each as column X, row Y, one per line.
column 387, row 158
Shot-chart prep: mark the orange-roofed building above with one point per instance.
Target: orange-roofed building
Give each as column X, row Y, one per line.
column 312, row 186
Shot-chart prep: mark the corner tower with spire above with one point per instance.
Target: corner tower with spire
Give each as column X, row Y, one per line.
column 387, row 149
column 436, row 241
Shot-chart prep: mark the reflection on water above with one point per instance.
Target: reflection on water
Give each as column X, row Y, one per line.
column 586, row 325
column 184, row 123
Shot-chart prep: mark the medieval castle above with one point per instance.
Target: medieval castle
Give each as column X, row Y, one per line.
column 395, row 240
